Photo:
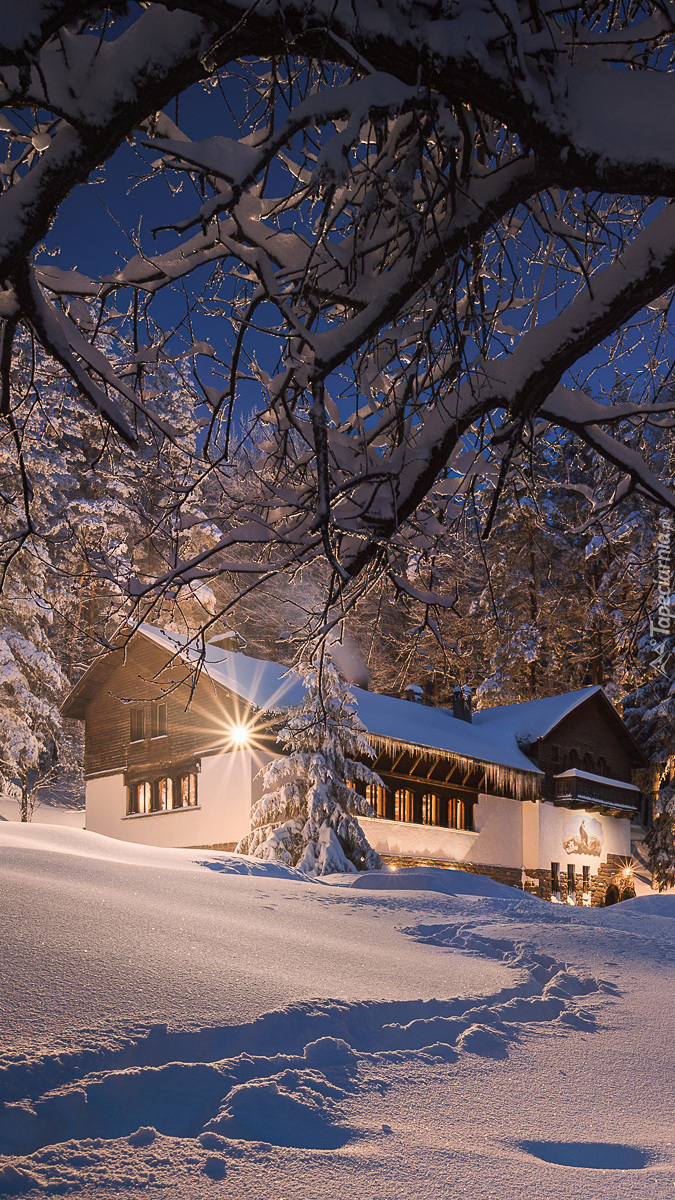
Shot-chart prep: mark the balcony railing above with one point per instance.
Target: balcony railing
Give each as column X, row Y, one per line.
column 581, row 786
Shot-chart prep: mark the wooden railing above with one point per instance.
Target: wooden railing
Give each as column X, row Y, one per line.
column 575, row 787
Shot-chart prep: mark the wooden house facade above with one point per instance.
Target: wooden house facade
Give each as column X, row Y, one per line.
column 537, row 795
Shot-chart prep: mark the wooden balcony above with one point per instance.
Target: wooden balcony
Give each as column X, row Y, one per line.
column 580, row 789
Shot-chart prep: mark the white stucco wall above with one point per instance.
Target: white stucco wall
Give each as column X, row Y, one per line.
column 222, row 814
column 499, row 824
column 106, row 804
column 496, row 841
column 417, row 841
column 615, row 837
column 508, row 833
column 224, row 794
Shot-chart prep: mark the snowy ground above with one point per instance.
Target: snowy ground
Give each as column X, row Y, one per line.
column 193, row 1024
column 45, row 814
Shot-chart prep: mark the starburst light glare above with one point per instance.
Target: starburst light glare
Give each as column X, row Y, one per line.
column 240, row 735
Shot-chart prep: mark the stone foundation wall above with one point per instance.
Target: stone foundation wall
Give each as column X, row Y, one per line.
column 216, row 846
column 610, row 872
column 511, row 876
column 536, row 881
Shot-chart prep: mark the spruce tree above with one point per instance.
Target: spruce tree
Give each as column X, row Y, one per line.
column 31, row 685
column 307, row 814
column 660, row 840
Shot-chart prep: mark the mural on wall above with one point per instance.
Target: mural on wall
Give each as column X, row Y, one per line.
column 583, row 835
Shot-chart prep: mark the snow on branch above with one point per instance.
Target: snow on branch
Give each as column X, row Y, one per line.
column 414, row 227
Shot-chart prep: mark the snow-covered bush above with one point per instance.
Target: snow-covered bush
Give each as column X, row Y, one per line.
column 307, row 814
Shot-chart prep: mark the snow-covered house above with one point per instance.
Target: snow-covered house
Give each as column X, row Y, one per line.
column 537, row 795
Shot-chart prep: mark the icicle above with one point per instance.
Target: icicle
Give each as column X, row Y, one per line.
column 506, row 781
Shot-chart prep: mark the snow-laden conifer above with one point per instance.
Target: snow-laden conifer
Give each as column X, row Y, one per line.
column 31, row 685
column 660, row 839
column 307, row 814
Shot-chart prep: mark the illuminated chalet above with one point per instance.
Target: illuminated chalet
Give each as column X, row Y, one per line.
column 538, row 795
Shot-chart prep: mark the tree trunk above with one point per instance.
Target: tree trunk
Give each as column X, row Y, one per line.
column 26, row 807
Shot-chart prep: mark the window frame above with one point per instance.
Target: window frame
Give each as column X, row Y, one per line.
column 137, row 806
column 146, row 796
column 158, row 720
column 137, row 717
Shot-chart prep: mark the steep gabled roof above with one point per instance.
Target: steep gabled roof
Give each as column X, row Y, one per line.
column 531, row 720
column 263, row 684
column 493, row 736
column 271, row 687
column 267, row 685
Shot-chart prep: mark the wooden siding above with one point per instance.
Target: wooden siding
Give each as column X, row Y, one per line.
column 593, row 735
column 139, row 680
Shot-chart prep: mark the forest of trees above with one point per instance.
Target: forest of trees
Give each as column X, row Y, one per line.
column 381, row 347
column 558, row 597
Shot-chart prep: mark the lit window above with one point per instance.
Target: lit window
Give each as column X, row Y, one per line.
column 377, row 799
column 457, row 813
column 162, row 794
column 430, row 809
column 188, row 790
column 158, row 720
column 136, row 724
column 140, row 797
column 403, row 805
column 164, row 798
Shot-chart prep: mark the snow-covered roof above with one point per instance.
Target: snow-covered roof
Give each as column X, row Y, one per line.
column 494, row 736
column 575, row 773
column 532, row 719
column 269, row 686
column 419, row 725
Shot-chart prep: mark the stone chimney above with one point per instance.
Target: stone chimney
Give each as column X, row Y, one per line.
column 461, row 703
column 413, row 692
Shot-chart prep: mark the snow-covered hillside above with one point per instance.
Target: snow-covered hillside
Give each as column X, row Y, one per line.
column 189, row 1023
column 44, row 814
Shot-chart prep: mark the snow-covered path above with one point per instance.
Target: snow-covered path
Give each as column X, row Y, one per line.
column 186, row 1020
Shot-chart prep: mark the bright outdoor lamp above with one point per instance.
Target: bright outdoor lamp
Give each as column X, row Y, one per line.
column 240, row 735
